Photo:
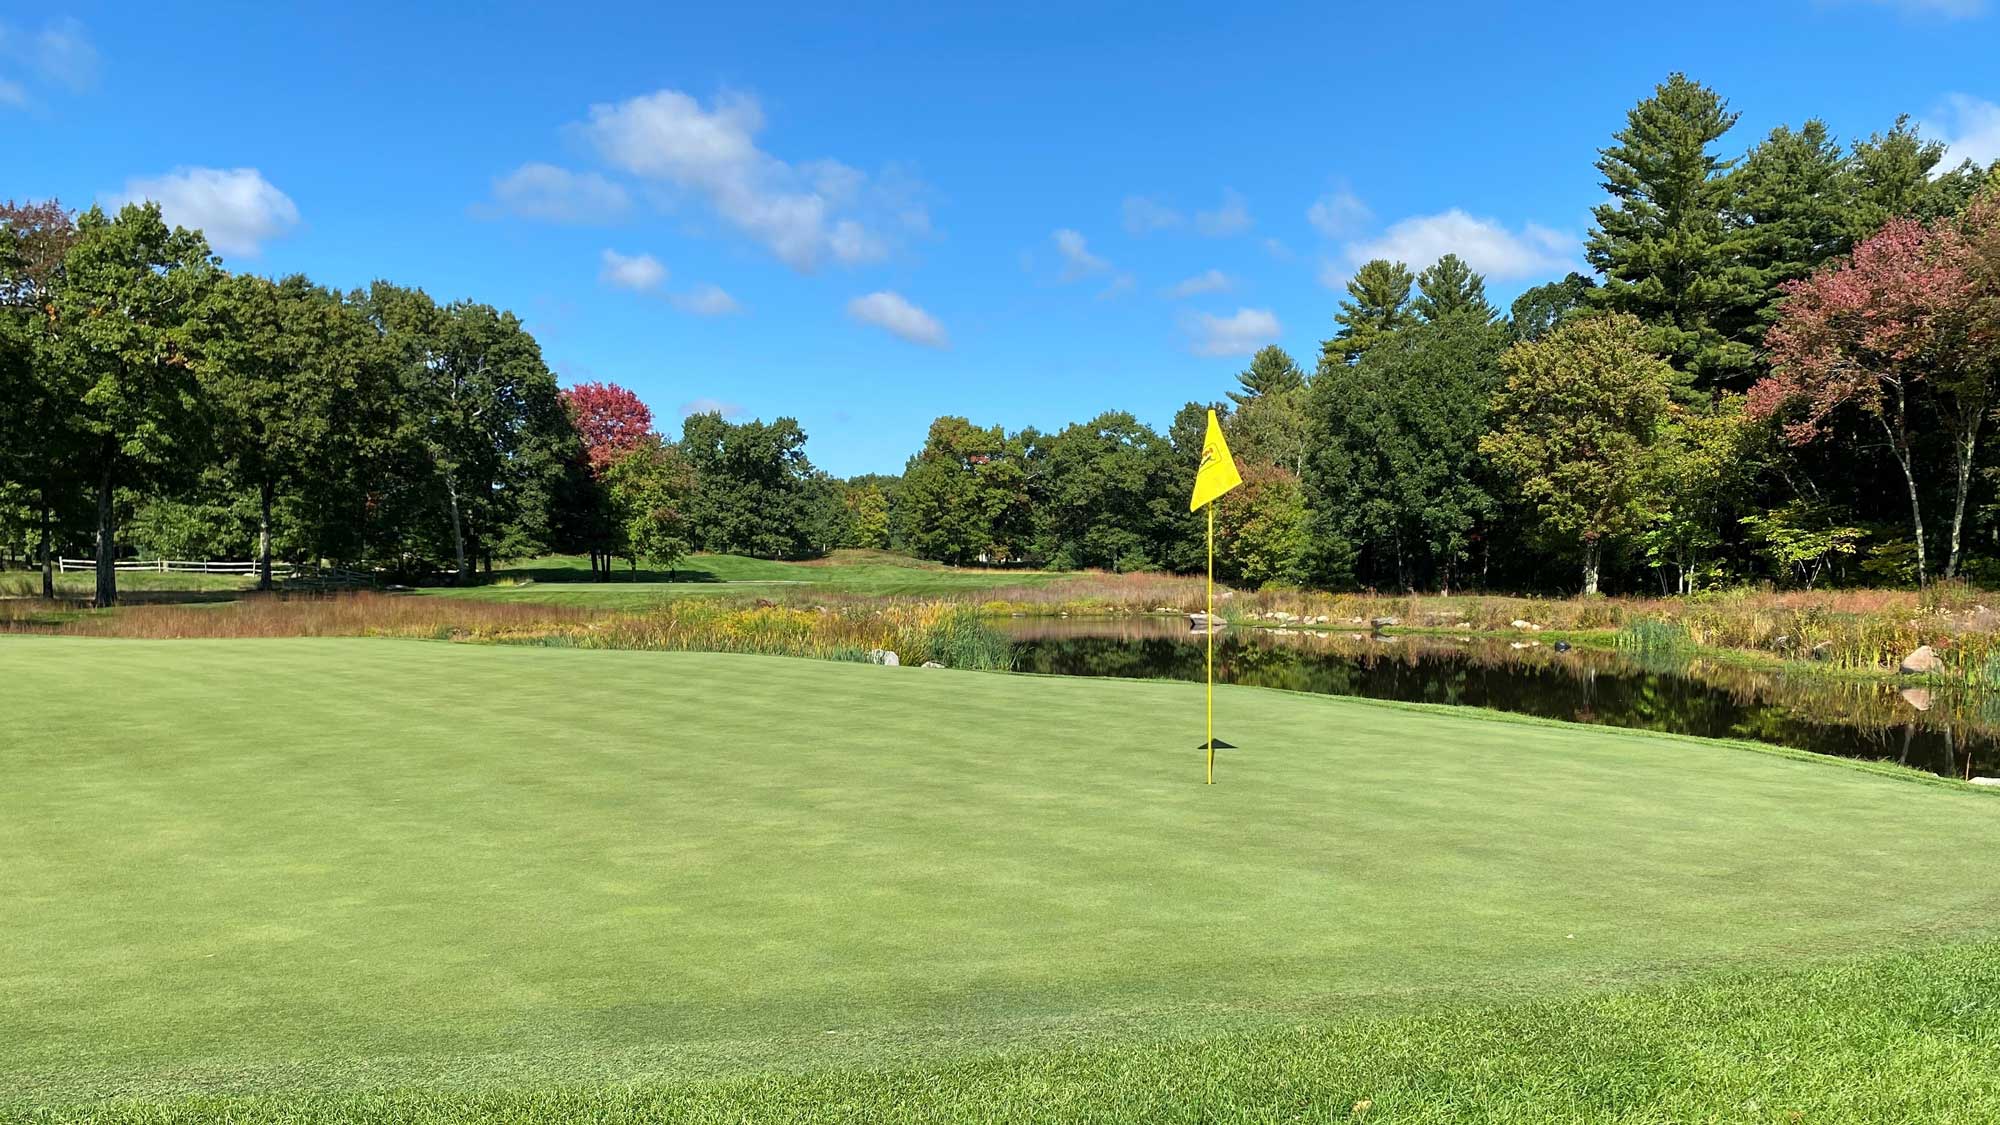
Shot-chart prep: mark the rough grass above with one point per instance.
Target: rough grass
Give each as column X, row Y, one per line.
column 1903, row 1038
column 375, row 879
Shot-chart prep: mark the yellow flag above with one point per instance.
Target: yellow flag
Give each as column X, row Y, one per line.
column 1217, row 474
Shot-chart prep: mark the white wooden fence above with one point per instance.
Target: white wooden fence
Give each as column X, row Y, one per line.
column 173, row 566
column 302, row 574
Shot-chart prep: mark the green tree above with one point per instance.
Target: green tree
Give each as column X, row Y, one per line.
column 291, row 373
column 1664, row 243
column 1377, row 303
column 1102, row 493
column 650, row 487
column 1272, row 371
column 1793, row 206
column 1538, row 310
column 1574, row 425
column 1395, row 471
column 868, row 511
column 1451, row 288
column 964, row 496
column 125, row 325
column 1895, row 175
column 756, row 491
column 1705, row 465
column 1262, row 530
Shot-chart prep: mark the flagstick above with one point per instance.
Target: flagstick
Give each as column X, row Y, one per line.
column 1208, row 623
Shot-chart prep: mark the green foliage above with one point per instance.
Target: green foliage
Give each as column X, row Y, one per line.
column 1395, row 472
column 756, row 492
column 964, row 496
column 650, row 489
column 1263, row 530
column 1539, row 309
column 1272, row 371
column 1106, row 494
column 1575, row 424
column 1802, row 539
column 1450, row 288
column 1663, row 243
column 1705, row 465
column 1377, row 303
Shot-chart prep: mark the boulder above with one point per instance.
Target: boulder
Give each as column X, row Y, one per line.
column 1822, row 650
column 883, row 656
column 1529, row 625
column 1384, row 622
column 1994, row 781
column 1918, row 697
column 1922, row 662
column 932, row 664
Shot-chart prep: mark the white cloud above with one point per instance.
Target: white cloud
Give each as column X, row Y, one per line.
column 1239, row 334
column 1278, row 250
column 706, row 300
column 641, row 273
column 1233, row 217
column 1338, row 214
column 712, row 406
column 1144, row 215
column 558, row 195
column 1212, row 281
column 237, row 208
column 1971, row 127
column 63, row 53
column 712, row 154
column 1486, row 246
column 1122, row 284
column 893, row 313
column 1077, row 258
column 12, row 94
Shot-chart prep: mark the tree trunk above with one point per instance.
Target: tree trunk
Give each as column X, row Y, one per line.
column 1965, row 449
column 1899, row 446
column 1591, row 549
column 264, row 536
column 107, row 547
column 457, row 530
column 48, row 555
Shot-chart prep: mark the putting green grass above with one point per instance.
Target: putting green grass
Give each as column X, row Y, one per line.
column 566, row 579
column 300, row 871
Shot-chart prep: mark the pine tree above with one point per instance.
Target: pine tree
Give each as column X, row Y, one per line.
column 1664, row 244
column 1894, row 177
column 1450, row 287
column 1378, row 303
column 1792, row 206
column 1538, row 311
column 1272, row 371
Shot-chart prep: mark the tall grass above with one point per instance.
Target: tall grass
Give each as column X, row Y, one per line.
column 949, row 633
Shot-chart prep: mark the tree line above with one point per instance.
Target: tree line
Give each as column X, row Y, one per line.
column 1781, row 369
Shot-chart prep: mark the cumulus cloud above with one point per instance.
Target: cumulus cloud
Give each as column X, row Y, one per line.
column 1486, row 246
column 1122, row 284
column 1338, row 214
column 1078, row 261
column 896, row 315
column 63, row 53
column 706, row 300
column 1233, row 217
column 558, row 195
column 1211, row 281
column 237, row 208
column 1971, row 128
column 1143, row 215
column 1238, row 334
column 711, row 154
column 641, row 273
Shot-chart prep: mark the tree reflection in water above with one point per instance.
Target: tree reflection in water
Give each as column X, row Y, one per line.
column 1946, row 732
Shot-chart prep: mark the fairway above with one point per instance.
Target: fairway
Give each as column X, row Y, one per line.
column 279, row 865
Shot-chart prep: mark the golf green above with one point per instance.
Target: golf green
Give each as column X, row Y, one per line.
column 295, row 864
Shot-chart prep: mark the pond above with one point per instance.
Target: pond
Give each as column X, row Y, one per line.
column 1947, row 733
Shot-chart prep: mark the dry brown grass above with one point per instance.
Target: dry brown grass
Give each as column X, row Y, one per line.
column 283, row 615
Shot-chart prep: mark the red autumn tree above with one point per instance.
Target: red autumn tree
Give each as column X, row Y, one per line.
column 1895, row 329
column 610, row 419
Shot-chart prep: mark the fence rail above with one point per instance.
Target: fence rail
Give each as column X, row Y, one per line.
column 303, row 573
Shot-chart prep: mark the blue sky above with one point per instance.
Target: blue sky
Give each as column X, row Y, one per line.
column 867, row 217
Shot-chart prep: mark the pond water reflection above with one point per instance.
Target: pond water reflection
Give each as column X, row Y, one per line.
column 1948, row 733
